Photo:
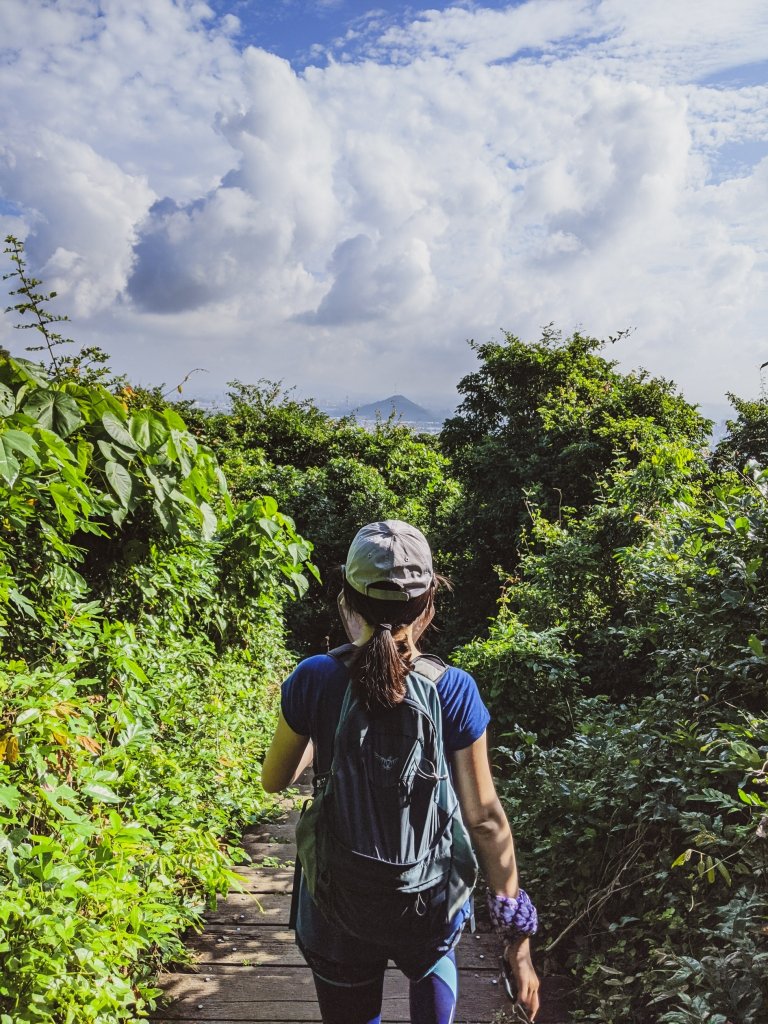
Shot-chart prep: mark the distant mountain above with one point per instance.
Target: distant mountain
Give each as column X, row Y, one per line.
column 400, row 405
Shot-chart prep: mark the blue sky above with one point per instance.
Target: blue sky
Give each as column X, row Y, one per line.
column 339, row 196
column 307, row 31
column 291, row 29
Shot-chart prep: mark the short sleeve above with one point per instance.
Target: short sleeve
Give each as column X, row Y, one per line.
column 465, row 716
column 298, row 697
column 311, row 696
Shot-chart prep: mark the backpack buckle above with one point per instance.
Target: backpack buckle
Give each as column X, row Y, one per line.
column 319, row 782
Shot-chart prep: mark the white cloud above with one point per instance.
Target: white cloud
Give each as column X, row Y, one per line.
column 391, row 281
column 347, row 227
column 83, row 214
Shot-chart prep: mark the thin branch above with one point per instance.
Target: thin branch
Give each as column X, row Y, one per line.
column 599, row 899
column 198, row 369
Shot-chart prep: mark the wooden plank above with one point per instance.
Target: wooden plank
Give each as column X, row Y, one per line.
column 263, row 994
column 258, row 850
column 272, row 946
column 276, row 945
column 269, row 907
column 272, row 831
column 258, row 879
column 250, row 908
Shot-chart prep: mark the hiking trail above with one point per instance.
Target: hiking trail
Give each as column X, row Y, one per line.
column 248, row 969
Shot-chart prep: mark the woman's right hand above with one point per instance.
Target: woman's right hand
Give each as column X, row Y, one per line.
column 526, row 982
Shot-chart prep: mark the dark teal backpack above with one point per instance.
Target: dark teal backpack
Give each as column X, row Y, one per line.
column 382, row 845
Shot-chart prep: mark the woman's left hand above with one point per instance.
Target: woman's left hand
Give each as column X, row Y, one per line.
column 518, row 957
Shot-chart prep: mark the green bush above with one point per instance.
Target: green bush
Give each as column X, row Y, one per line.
column 141, row 620
column 530, row 682
column 645, row 861
column 117, row 811
column 331, row 477
column 643, row 828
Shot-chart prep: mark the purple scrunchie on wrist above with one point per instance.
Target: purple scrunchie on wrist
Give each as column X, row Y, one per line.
column 513, row 916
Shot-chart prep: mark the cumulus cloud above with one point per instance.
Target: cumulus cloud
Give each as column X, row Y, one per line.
column 371, row 284
column 83, row 212
column 438, row 177
column 104, row 107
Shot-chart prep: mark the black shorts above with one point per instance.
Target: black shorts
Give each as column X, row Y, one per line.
column 352, row 975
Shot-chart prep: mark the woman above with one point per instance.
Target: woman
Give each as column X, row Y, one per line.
column 386, row 604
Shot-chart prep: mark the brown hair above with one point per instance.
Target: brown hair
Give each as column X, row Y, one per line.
column 381, row 665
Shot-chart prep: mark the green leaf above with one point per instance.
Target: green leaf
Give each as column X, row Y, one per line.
column 11, row 863
column 66, row 502
column 28, row 715
column 756, row 646
column 102, row 401
column 197, row 482
column 68, row 579
column 135, row 669
column 120, row 481
column 118, row 431
column 300, row 582
column 22, row 442
column 139, row 427
column 30, row 371
column 54, row 410
column 10, row 798
column 148, row 429
column 749, row 798
column 103, row 794
column 174, row 421
column 114, row 452
column 7, row 401
column 9, row 464
column 118, row 514
column 270, row 527
column 158, row 483
column 208, row 519
column 745, row 752
column 22, row 603
column 55, row 445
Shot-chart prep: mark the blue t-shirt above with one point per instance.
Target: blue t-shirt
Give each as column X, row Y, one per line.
column 312, row 697
column 314, row 692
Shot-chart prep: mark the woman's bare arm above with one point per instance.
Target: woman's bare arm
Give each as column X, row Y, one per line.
column 492, row 838
column 288, row 755
column 485, row 818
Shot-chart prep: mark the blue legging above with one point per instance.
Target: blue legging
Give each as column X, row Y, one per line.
column 432, row 1000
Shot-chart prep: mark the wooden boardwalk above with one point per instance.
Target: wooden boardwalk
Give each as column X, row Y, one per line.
column 247, row 968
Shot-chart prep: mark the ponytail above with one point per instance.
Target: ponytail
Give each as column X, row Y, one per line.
column 381, row 665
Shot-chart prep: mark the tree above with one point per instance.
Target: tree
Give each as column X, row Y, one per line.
column 331, row 477
column 747, row 436
column 539, row 425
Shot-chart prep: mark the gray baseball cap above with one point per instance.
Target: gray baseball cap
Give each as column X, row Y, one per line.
column 394, row 552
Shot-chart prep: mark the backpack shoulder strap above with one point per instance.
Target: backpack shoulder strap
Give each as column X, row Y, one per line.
column 345, row 653
column 427, row 665
column 430, row 667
